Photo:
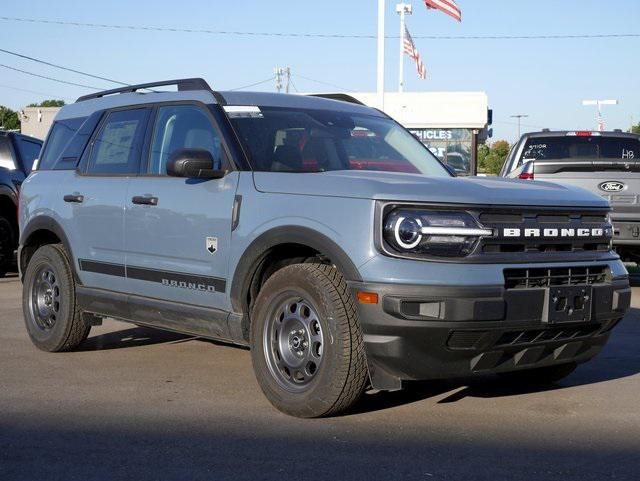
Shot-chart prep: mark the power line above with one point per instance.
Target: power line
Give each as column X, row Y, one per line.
column 323, row 83
column 44, row 62
column 317, row 35
column 52, row 96
column 50, row 78
column 253, row 84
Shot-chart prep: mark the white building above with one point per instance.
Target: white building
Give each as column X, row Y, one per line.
column 450, row 123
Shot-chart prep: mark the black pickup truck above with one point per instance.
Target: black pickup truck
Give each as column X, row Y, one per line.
column 17, row 154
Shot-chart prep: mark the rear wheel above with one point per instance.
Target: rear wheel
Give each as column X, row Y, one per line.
column 541, row 375
column 52, row 318
column 306, row 342
column 7, row 246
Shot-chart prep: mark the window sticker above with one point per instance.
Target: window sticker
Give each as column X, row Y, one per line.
column 243, row 111
column 628, row 154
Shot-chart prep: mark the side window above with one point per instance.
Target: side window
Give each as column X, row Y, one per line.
column 29, row 151
column 182, row 127
column 61, row 133
column 117, row 148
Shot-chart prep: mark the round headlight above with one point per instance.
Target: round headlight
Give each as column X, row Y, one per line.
column 408, row 232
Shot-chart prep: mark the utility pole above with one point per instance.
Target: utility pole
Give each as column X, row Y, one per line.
column 282, row 74
column 599, row 104
column 380, row 79
column 402, row 9
column 519, row 117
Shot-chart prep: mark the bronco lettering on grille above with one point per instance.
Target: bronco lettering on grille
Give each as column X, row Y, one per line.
column 556, row 232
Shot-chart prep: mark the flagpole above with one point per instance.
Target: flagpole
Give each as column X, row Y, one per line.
column 380, row 81
column 402, row 9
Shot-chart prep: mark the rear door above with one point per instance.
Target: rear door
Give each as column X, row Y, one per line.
column 177, row 240
column 97, row 196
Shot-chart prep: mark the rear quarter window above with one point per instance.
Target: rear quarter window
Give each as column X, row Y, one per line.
column 61, row 133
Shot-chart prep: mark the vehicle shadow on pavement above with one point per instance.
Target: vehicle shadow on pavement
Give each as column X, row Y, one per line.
column 133, row 337
column 619, row 359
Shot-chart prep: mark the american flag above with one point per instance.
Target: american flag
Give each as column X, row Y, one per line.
column 447, row 6
column 411, row 50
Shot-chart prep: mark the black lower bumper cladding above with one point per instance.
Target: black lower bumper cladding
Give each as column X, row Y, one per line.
column 431, row 332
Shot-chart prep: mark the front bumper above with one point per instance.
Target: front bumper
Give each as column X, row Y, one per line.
column 420, row 332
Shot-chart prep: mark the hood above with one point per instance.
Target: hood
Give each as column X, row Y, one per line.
column 419, row 188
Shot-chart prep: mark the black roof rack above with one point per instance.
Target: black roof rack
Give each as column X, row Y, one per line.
column 182, row 84
column 341, row 97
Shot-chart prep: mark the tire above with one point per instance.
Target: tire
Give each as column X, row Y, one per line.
column 540, row 376
column 7, row 246
column 308, row 303
column 51, row 315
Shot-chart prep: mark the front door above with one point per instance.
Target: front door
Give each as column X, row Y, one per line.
column 177, row 230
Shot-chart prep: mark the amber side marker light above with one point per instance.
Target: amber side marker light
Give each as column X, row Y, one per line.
column 367, row 297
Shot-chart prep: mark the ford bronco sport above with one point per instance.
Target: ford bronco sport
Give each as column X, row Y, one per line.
column 606, row 163
column 318, row 232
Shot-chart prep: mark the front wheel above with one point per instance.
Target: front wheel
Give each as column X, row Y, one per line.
column 306, row 343
column 53, row 321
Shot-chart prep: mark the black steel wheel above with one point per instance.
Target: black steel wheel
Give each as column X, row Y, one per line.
column 307, row 347
column 53, row 321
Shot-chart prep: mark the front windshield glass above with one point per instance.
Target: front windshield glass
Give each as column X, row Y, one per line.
column 301, row 140
column 587, row 148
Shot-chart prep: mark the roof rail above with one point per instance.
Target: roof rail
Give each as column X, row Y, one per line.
column 182, row 84
column 341, row 97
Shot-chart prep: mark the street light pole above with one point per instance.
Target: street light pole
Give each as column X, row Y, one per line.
column 519, row 117
column 599, row 104
column 402, row 9
column 380, row 81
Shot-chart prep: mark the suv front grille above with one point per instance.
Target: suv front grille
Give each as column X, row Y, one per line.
column 548, row 277
column 541, row 220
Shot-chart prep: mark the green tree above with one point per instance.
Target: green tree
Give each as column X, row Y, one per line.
column 48, row 103
column 490, row 159
column 635, row 129
column 9, row 119
column 483, row 153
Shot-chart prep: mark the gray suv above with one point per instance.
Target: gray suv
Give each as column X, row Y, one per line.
column 317, row 231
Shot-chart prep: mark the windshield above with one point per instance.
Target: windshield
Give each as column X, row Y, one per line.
column 301, row 140
column 588, row 148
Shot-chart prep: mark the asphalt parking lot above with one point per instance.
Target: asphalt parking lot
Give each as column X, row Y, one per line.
column 135, row 403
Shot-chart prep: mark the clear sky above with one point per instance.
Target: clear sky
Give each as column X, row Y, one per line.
column 546, row 79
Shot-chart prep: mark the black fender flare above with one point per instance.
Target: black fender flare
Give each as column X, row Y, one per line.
column 44, row 222
column 255, row 252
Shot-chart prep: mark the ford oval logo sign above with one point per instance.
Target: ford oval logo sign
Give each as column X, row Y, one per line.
column 612, row 186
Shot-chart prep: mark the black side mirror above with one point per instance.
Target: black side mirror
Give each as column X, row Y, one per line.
column 193, row 163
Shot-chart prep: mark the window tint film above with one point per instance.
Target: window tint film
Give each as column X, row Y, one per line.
column 182, row 127
column 587, row 148
column 29, row 152
column 301, row 140
column 61, row 133
column 117, row 148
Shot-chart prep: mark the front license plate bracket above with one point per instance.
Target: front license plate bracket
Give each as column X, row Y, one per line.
column 568, row 304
